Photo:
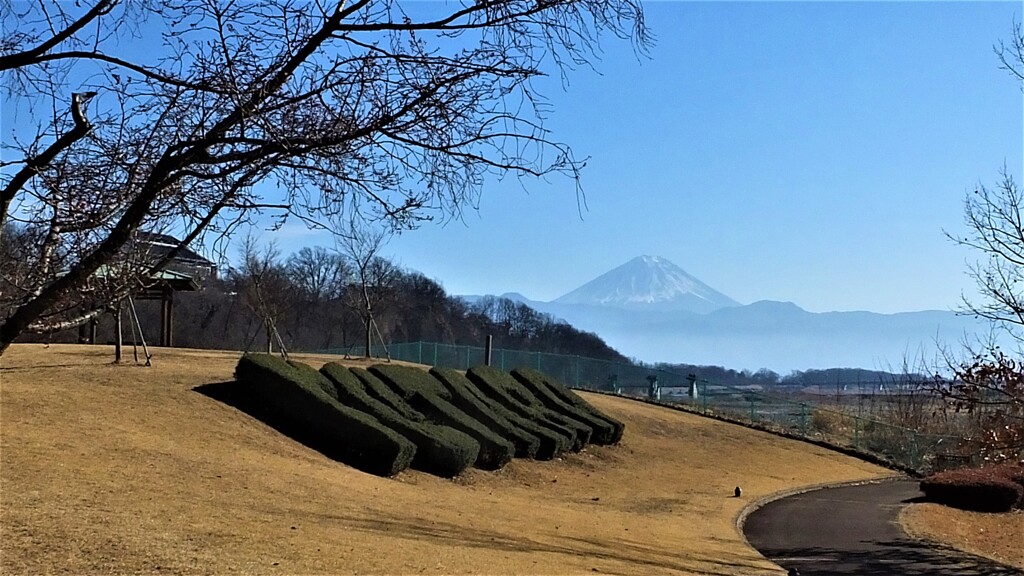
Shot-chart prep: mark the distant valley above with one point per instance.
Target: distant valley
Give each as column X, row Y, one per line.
column 652, row 310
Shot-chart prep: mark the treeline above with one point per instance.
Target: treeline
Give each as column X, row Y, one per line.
column 798, row 378
column 317, row 299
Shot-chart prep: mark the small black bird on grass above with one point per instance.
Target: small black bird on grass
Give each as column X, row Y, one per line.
column 738, row 492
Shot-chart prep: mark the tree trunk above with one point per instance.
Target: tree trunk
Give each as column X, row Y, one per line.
column 117, row 334
column 369, row 328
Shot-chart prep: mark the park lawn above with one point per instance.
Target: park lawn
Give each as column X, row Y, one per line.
column 119, row 469
column 995, row 536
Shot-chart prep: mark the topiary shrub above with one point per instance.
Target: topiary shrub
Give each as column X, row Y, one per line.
column 979, row 489
column 565, row 394
column 577, row 432
column 440, row 450
column 467, row 398
column 492, row 384
column 292, row 398
column 407, row 381
column 604, row 431
column 495, row 451
column 353, row 391
column 378, row 389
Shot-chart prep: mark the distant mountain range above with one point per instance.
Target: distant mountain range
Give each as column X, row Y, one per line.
column 652, row 310
column 648, row 283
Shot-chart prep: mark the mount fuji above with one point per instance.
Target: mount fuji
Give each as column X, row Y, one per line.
column 650, row 309
column 648, row 283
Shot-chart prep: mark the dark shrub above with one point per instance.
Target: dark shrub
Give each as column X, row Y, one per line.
column 292, row 398
column 467, row 398
column 980, row 489
column 1014, row 472
column 346, row 384
column 495, row 451
column 492, row 384
column 378, row 389
column 562, row 392
column 440, row 450
column 576, row 431
column 407, row 380
column 604, row 432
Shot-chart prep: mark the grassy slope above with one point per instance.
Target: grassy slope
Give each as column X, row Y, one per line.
column 996, row 536
column 126, row 469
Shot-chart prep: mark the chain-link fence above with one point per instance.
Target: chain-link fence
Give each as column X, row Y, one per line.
column 836, row 425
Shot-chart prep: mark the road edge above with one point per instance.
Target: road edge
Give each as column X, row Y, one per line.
column 742, row 515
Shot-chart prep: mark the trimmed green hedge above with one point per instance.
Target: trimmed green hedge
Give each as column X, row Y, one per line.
column 554, row 437
column 384, row 393
column 495, row 451
column 570, row 397
column 979, row 489
column 407, row 381
column 440, row 450
column 556, row 395
column 467, row 398
column 529, row 406
column 581, row 431
column 292, row 397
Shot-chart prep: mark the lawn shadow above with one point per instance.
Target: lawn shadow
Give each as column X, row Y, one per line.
column 630, row 552
column 902, row 557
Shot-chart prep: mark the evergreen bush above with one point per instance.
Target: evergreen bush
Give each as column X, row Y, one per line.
column 467, row 398
column 495, row 451
column 565, row 394
column 556, row 395
column 440, row 450
column 529, row 406
column 491, row 383
column 378, row 389
column 407, row 380
column 294, row 400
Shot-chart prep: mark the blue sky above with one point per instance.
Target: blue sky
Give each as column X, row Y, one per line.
column 811, row 152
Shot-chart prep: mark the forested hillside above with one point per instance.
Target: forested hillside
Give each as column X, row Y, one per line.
column 317, row 299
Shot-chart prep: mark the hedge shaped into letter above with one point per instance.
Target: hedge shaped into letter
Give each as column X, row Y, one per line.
column 440, row 450
column 292, row 397
column 554, row 439
column 467, row 398
column 560, row 398
column 424, row 393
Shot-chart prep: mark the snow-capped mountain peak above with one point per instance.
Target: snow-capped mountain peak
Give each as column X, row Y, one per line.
column 649, row 282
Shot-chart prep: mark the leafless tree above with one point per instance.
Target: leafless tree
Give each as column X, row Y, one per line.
column 989, row 382
column 318, row 273
column 264, row 286
column 373, row 277
column 200, row 115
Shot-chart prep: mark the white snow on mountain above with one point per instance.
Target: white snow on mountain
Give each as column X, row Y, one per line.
column 648, row 283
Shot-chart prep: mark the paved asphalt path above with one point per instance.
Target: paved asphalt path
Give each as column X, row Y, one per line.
column 853, row 530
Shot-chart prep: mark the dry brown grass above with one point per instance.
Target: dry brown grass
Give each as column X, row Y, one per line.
column 996, row 536
column 126, row 469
